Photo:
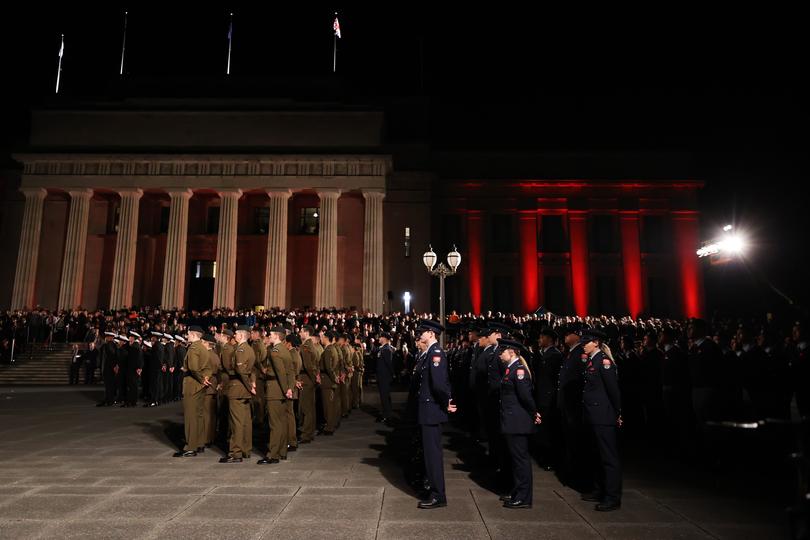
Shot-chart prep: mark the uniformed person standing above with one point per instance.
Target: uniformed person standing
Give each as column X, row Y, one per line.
column 134, row 368
column 434, row 404
column 210, row 401
column 519, row 416
column 330, row 366
column 602, row 403
column 385, row 375
column 259, row 353
column 357, row 376
column 197, row 374
column 576, row 471
column 345, row 375
column 277, row 391
column 291, row 343
column 546, row 375
column 179, row 344
column 238, row 363
column 311, row 352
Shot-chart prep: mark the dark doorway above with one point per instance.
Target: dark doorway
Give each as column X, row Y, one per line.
column 201, row 284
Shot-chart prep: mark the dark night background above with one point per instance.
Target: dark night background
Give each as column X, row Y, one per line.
column 722, row 91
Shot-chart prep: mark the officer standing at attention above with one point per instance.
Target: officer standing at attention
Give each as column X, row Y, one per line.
column 238, row 364
column 259, row 354
column 602, row 403
column 311, row 352
column 330, row 368
column 291, row 343
column 210, row 399
column 519, row 416
column 385, row 374
column 277, row 391
column 434, row 404
column 196, row 379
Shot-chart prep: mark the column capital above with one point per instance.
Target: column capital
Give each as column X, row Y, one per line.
column 279, row 193
column 373, row 193
column 31, row 193
column 135, row 193
column 229, row 193
column 328, row 193
column 76, row 193
column 184, row 193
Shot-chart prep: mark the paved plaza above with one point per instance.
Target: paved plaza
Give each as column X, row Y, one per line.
column 71, row 470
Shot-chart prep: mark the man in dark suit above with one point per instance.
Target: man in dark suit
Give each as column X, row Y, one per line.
column 602, row 403
column 546, row 369
column 575, row 472
column 434, row 404
column 385, row 375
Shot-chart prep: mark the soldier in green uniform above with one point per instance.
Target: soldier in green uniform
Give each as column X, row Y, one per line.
column 238, row 363
column 197, row 373
column 292, row 342
column 259, row 352
column 210, row 402
column 345, row 375
column 311, row 352
column 277, row 391
column 357, row 377
column 330, row 368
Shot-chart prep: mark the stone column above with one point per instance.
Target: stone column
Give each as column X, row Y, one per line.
column 631, row 262
column 580, row 277
column 22, row 294
column 123, row 278
column 373, row 251
column 275, row 278
column 326, row 272
column 70, row 289
column 225, row 282
column 527, row 230
column 174, row 268
column 687, row 240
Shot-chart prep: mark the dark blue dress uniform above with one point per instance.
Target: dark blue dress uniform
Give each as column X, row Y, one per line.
column 434, row 397
column 518, row 411
column 385, row 374
column 601, row 401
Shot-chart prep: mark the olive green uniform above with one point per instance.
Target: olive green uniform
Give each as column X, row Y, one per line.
column 345, row 370
column 238, row 361
column 330, row 367
column 293, row 371
column 276, row 382
column 357, row 379
column 311, row 352
column 210, row 401
column 197, row 368
column 259, row 408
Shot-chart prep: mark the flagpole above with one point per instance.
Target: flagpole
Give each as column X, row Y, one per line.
column 334, row 45
column 59, row 69
column 230, row 41
column 123, row 46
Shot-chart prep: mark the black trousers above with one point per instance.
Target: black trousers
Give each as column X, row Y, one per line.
column 132, row 388
column 74, row 372
column 609, row 474
column 434, row 463
column 110, row 387
column 518, row 445
column 89, row 373
column 385, row 398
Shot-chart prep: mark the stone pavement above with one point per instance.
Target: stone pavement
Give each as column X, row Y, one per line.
column 71, row 470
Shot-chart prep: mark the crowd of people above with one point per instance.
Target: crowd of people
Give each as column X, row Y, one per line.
column 295, row 373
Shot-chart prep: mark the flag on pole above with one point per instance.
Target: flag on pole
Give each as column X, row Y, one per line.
column 230, row 42
column 336, row 26
column 62, row 47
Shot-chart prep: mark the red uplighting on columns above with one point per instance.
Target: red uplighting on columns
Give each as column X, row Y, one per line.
column 631, row 262
column 687, row 240
column 474, row 234
column 528, row 260
column 578, row 232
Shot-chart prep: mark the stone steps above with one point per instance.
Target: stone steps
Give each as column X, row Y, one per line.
column 40, row 365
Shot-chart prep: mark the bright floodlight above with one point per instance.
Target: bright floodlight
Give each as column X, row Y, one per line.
column 735, row 244
column 730, row 244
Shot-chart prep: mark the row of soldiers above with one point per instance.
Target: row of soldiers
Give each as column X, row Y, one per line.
column 235, row 379
column 156, row 363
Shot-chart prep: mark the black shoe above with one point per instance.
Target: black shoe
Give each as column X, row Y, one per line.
column 431, row 503
column 209, row 444
column 292, row 448
column 282, row 458
column 230, row 459
column 591, row 497
column 505, row 498
column 379, row 419
column 187, row 453
column 200, row 449
column 516, row 504
column 145, row 405
column 608, row 507
column 266, row 461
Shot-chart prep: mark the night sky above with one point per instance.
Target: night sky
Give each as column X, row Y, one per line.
column 723, row 88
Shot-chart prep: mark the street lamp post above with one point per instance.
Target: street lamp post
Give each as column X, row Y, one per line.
column 442, row 271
